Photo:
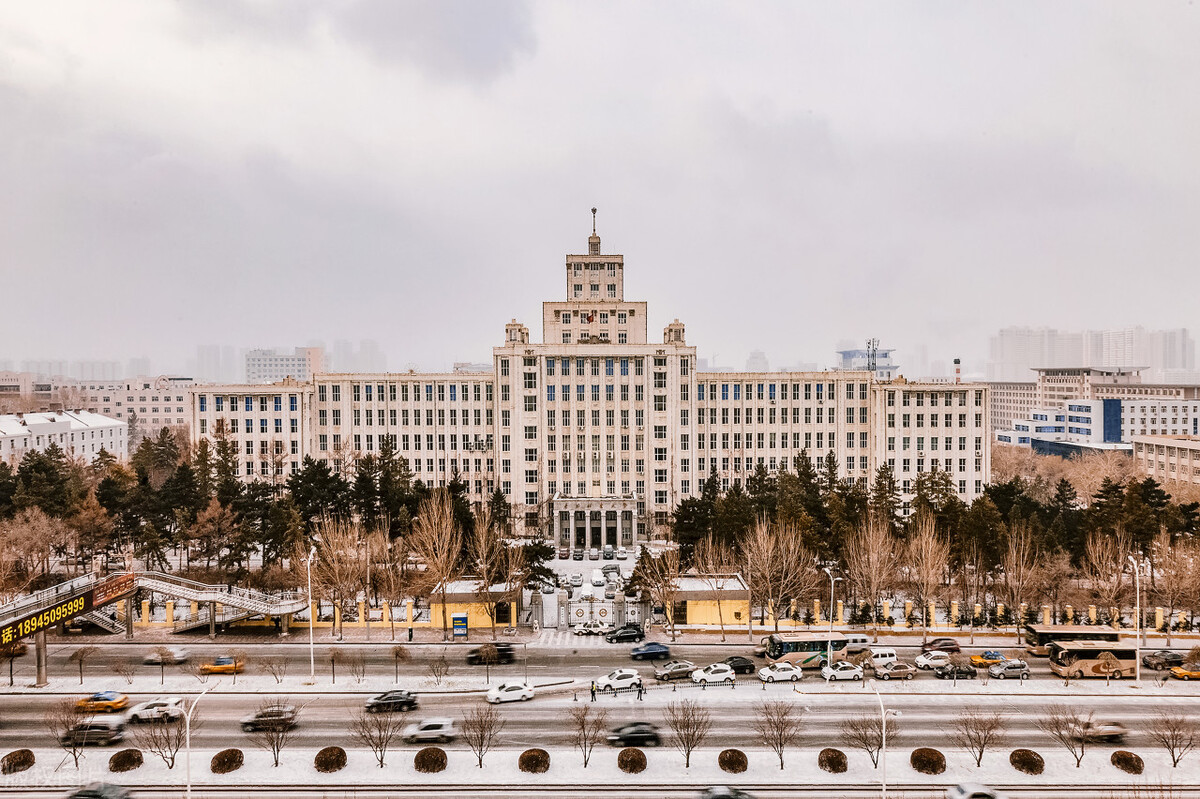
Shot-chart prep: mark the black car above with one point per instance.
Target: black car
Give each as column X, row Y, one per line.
column 577, row 555
column 505, row 653
column 951, row 671
column 1162, row 660
column 639, row 733
column 392, row 700
column 101, row 790
column 940, row 645
column 630, row 632
column 274, row 717
column 739, row 664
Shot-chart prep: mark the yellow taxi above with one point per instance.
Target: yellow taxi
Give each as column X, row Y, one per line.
column 103, row 702
column 223, row 665
column 988, row 658
column 1186, row 672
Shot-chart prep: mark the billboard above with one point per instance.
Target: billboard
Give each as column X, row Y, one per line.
column 69, row 606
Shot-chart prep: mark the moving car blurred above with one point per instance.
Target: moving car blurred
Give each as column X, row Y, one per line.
column 724, row 792
column 675, row 670
column 739, row 664
column 162, row 708
column 165, row 655
column 505, row 653
column 940, row 645
column 625, row 634
column 651, row 650
column 437, row 730
column 392, row 700
column 224, row 664
column 988, row 658
column 273, row 717
column 638, row 733
column 955, row 671
column 1162, row 660
column 103, row 702
column 1097, row 730
column 98, row 731
column 973, row 790
column 100, row 790
column 510, row 692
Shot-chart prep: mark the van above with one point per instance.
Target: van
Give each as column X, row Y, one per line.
column 597, row 578
column 104, row 731
column 882, row 657
column 857, row 642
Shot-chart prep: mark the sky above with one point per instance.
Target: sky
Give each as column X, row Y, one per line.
column 779, row 176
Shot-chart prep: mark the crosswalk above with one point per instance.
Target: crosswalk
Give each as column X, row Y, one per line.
column 563, row 638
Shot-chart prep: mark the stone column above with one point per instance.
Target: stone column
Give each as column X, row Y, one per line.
column 954, row 613
column 39, row 653
column 1069, row 614
column 817, row 611
column 285, row 625
column 1092, row 613
column 1158, row 618
column 361, row 613
column 1046, row 615
column 977, row 611
column 841, row 612
column 170, row 612
column 887, row 608
column 129, row 617
column 908, row 606
column 212, row 619
column 932, row 613
column 555, row 525
column 145, row 609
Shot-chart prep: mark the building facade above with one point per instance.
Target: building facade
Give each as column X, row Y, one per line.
column 597, row 431
column 270, row 366
column 80, row 434
column 1171, row 460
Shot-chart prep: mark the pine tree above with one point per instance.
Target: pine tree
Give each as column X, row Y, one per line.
column 885, row 498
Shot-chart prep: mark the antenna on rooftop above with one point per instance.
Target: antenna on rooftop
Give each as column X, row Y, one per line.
column 872, row 353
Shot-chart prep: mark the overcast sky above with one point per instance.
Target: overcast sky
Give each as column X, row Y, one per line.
column 778, row 176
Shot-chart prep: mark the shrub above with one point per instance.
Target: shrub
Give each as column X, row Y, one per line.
column 430, row 760
column 928, row 761
column 832, row 760
column 534, row 761
column 1127, row 762
column 632, row 760
column 330, row 759
column 125, row 760
column 1027, row 761
column 732, row 761
column 226, row 760
column 16, row 761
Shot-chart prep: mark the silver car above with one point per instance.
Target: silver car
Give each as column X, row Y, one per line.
column 440, row 730
column 973, row 790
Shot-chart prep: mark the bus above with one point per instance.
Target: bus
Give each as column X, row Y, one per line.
column 1039, row 636
column 806, row 650
column 1076, row 659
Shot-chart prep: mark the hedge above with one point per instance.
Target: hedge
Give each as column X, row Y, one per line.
column 1027, row 761
column 534, row 761
column 732, row 761
column 430, row 760
column 832, row 760
column 227, row 760
column 330, row 759
column 632, row 760
column 1127, row 762
column 17, row 761
column 928, row 761
column 125, row 760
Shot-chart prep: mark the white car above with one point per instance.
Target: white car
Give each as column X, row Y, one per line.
column 780, row 671
column 717, row 672
column 591, row 628
column 436, row 730
column 621, row 678
column 931, row 660
column 622, row 553
column 576, row 579
column 842, row 670
column 161, row 708
column 168, row 656
column 510, row 692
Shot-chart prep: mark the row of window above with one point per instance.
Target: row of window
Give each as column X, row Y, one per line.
column 265, row 403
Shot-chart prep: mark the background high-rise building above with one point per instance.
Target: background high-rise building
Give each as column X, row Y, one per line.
column 270, row 366
column 1161, row 355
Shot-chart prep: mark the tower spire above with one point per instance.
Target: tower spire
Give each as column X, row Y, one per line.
column 593, row 240
column 593, row 221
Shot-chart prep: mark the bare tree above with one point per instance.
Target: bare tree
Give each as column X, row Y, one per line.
column 977, row 729
column 80, row 655
column 338, row 569
column 480, row 729
column 872, row 560
column 241, row 661
column 866, row 732
column 60, row 719
column 589, row 727
column 10, row 652
column 356, row 663
column 1104, row 558
column 165, row 738
column 1064, row 727
column 1108, row 664
column 376, row 731
column 277, row 733
column 489, row 656
column 777, row 725
column 927, row 555
column 1021, row 565
column 124, row 669
column 779, row 568
column 439, row 667
column 661, row 578
column 487, row 547
column 164, row 655
column 1176, row 572
column 1175, row 732
column 196, row 671
column 690, row 725
column 437, row 541
column 275, row 666
column 715, row 564
column 399, row 655
column 336, row 656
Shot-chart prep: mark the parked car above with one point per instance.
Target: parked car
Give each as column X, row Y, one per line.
column 103, row 702
column 973, row 790
column 638, row 733
column 510, row 692
column 609, row 552
column 716, row 672
column 225, row 664
column 622, row 553
column 739, row 664
column 896, row 670
column 591, row 628
column 1093, row 730
column 98, row 731
column 651, row 650
column 564, row 553
column 621, row 635
column 438, row 730
column 548, row 587
column 940, row 645
column 988, row 658
column 100, row 790
column 593, row 554
column 675, row 670
column 162, row 708
column 392, row 700
column 780, row 671
column 1191, row 672
column 617, row 679
column 842, row 670
column 577, row 555
column 165, row 656
column 576, row 579
column 881, row 657
column 1009, row 669
column 953, row 671
column 932, row 659
column 272, row 717
column 610, row 569
column 505, row 653
column 1162, row 660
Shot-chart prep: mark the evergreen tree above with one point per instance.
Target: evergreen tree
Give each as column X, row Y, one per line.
column 365, row 492
column 808, row 487
column 226, row 482
column 43, row 482
column 397, row 502
column 285, row 531
column 1107, row 506
column 763, row 491
column 203, row 466
column 733, row 516
column 885, row 498
column 8, row 491
column 319, row 493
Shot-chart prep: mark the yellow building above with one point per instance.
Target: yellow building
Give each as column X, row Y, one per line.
column 463, row 596
column 712, row 600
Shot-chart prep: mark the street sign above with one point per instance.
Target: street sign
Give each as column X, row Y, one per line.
column 69, row 606
column 458, row 623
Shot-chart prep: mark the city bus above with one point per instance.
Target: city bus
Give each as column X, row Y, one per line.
column 1076, row 659
column 1039, row 636
column 806, row 649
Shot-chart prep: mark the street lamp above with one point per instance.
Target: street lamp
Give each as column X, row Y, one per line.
column 312, row 653
column 883, row 714
column 187, row 734
column 829, row 644
column 1137, row 641
column 367, row 548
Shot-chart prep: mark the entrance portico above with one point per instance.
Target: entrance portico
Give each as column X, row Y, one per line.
column 585, row 522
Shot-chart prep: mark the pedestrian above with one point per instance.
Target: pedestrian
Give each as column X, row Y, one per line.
column 641, row 690
column 593, row 690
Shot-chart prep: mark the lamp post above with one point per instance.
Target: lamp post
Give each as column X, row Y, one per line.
column 312, row 652
column 1137, row 641
column 367, row 549
column 187, row 736
column 829, row 643
column 883, row 714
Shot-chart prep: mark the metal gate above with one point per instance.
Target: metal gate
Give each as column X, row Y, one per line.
column 600, row 610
